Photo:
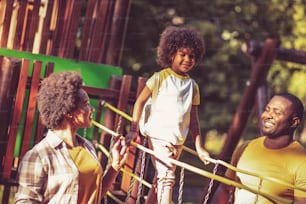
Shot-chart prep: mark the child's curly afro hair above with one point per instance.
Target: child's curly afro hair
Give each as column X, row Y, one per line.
column 57, row 96
column 174, row 38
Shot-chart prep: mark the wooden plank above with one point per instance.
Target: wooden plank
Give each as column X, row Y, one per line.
column 21, row 18
column 66, row 28
column 107, row 94
column 260, row 68
column 46, row 32
column 29, row 120
column 74, row 21
column 40, row 128
column 9, row 71
column 123, row 98
column 9, row 156
column 2, row 11
column 98, row 111
column 118, row 29
column 141, row 82
column 32, row 26
column 59, row 28
column 103, row 15
column 122, row 105
column 8, row 7
column 109, row 119
column 290, row 55
column 89, row 21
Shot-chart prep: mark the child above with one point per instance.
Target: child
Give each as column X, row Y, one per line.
column 174, row 110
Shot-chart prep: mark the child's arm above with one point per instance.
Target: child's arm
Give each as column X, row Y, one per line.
column 138, row 106
column 196, row 134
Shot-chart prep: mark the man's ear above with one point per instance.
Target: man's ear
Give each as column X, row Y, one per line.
column 295, row 122
column 172, row 58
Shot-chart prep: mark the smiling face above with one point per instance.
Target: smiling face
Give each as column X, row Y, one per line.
column 277, row 119
column 82, row 116
column 183, row 61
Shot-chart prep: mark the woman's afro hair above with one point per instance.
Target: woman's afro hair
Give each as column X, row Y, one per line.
column 174, row 38
column 57, row 96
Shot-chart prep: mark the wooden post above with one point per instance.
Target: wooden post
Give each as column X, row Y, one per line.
column 40, row 128
column 14, row 125
column 119, row 24
column 260, row 68
column 109, row 119
column 31, row 109
column 7, row 12
column 9, row 70
column 134, row 191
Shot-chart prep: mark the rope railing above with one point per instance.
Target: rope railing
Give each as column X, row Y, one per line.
column 106, row 152
column 227, row 165
column 198, row 170
column 117, row 200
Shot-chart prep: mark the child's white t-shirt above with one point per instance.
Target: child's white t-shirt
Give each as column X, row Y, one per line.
column 170, row 113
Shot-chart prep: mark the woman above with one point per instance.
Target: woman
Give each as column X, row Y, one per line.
column 63, row 167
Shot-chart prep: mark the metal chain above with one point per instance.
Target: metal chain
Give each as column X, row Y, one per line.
column 117, row 131
column 143, row 159
column 119, row 124
column 180, row 197
column 231, row 196
column 211, row 183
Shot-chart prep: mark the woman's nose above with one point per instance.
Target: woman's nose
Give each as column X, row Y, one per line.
column 92, row 108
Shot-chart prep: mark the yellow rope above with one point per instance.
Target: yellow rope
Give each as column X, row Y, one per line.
column 114, row 198
column 229, row 166
column 213, row 176
column 213, row 160
column 106, row 152
column 116, row 110
column 147, row 184
column 199, row 171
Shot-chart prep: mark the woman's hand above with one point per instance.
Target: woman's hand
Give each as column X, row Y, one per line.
column 119, row 153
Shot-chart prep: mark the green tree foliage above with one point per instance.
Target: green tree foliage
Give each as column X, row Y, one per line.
column 226, row 26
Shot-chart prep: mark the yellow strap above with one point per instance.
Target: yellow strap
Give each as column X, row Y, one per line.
column 106, row 152
column 214, row 161
column 213, row 176
column 114, row 197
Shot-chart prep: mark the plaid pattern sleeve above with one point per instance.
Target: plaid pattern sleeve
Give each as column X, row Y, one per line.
column 31, row 177
column 47, row 174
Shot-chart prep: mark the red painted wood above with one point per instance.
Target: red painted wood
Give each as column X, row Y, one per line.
column 19, row 101
column 31, row 109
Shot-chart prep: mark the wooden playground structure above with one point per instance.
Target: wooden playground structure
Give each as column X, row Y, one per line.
column 51, row 28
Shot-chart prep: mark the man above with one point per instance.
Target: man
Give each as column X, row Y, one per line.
column 276, row 155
